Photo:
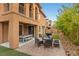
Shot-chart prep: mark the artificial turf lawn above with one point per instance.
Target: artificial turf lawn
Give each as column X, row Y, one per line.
column 10, row 52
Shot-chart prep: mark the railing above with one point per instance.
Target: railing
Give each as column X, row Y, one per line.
column 24, row 38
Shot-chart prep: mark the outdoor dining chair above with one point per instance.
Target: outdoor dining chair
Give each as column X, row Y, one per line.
column 47, row 43
column 56, row 43
column 38, row 42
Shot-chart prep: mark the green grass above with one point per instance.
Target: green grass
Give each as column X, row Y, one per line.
column 56, row 36
column 10, row 52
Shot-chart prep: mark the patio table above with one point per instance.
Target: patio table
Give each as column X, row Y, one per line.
column 46, row 38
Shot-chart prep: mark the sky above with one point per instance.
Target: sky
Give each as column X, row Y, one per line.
column 51, row 9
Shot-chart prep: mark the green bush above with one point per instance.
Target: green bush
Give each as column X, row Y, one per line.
column 68, row 23
column 55, row 36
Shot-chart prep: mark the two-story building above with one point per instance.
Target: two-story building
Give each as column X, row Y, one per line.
column 18, row 19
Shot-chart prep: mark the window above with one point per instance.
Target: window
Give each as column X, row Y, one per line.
column 36, row 13
column 31, row 30
column 21, row 8
column 6, row 7
column 21, row 28
column 31, row 10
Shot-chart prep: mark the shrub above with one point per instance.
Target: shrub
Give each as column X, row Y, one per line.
column 55, row 36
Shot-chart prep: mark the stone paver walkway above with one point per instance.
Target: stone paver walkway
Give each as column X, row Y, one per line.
column 33, row 50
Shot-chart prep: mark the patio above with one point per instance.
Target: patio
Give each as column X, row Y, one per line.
column 33, row 50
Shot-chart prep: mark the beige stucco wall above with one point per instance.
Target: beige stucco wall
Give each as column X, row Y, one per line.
column 42, row 22
column 13, row 35
column 5, row 32
column 1, row 33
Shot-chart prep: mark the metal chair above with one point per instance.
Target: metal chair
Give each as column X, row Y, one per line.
column 47, row 43
column 56, row 43
column 38, row 42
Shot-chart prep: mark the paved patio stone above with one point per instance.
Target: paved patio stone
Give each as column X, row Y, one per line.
column 32, row 49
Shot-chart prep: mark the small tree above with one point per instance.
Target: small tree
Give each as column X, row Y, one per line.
column 68, row 22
